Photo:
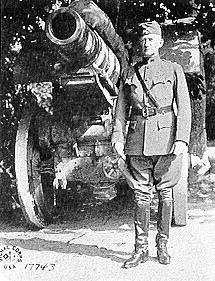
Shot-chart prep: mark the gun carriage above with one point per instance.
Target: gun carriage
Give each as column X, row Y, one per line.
column 68, row 144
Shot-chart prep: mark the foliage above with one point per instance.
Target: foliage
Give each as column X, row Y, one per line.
column 136, row 11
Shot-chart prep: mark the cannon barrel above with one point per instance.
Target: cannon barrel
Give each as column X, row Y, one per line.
column 79, row 45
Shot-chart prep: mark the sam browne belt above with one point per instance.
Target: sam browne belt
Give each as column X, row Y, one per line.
column 151, row 111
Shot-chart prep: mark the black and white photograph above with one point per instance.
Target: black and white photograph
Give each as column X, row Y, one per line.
column 107, row 140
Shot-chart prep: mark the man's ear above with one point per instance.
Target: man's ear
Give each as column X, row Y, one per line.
column 161, row 42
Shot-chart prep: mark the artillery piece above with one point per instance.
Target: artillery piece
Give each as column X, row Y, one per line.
column 69, row 143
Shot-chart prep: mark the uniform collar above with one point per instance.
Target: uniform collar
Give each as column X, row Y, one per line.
column 150, row 60
column 147, row 61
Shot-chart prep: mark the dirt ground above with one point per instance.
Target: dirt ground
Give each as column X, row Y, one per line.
column 92, row 245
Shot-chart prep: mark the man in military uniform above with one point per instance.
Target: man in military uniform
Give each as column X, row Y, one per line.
column 156, row 103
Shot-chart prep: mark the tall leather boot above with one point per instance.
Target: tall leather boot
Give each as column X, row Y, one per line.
column 164, row 224
column 141, row 223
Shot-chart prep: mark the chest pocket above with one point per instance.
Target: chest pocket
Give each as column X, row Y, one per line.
column 159, row 79
column 164, row 75
column 162, row 88
column 162, row 79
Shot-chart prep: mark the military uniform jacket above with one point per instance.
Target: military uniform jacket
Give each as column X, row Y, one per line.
column 156, row 134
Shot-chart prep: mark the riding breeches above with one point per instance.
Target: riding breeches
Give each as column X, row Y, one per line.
column 163, row 172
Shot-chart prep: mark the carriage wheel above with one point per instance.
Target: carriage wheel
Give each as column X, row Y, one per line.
column 34, row 173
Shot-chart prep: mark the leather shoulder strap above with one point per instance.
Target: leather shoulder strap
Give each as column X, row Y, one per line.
column 145, row 89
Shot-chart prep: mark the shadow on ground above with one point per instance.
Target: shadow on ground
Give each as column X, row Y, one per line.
column 38, row 244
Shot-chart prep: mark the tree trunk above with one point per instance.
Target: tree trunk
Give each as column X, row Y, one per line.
column 210, row 107
column 198, row 140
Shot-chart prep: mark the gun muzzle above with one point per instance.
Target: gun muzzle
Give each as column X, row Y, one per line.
column 79, row 45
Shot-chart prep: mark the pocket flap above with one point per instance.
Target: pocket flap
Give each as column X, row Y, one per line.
column 166, row 120
column 161, row 79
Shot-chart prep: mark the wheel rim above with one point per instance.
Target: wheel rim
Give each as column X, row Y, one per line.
column 30, row 176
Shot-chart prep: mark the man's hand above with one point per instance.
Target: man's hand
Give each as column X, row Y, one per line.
column 119, row 148
column 179, row 147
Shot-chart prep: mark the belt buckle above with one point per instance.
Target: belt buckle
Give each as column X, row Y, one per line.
column 145, row 112
column 148, row 111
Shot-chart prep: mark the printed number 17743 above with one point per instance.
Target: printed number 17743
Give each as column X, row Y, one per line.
column 38, row 266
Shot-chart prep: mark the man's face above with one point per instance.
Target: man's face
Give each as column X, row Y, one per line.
column 150, row 44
